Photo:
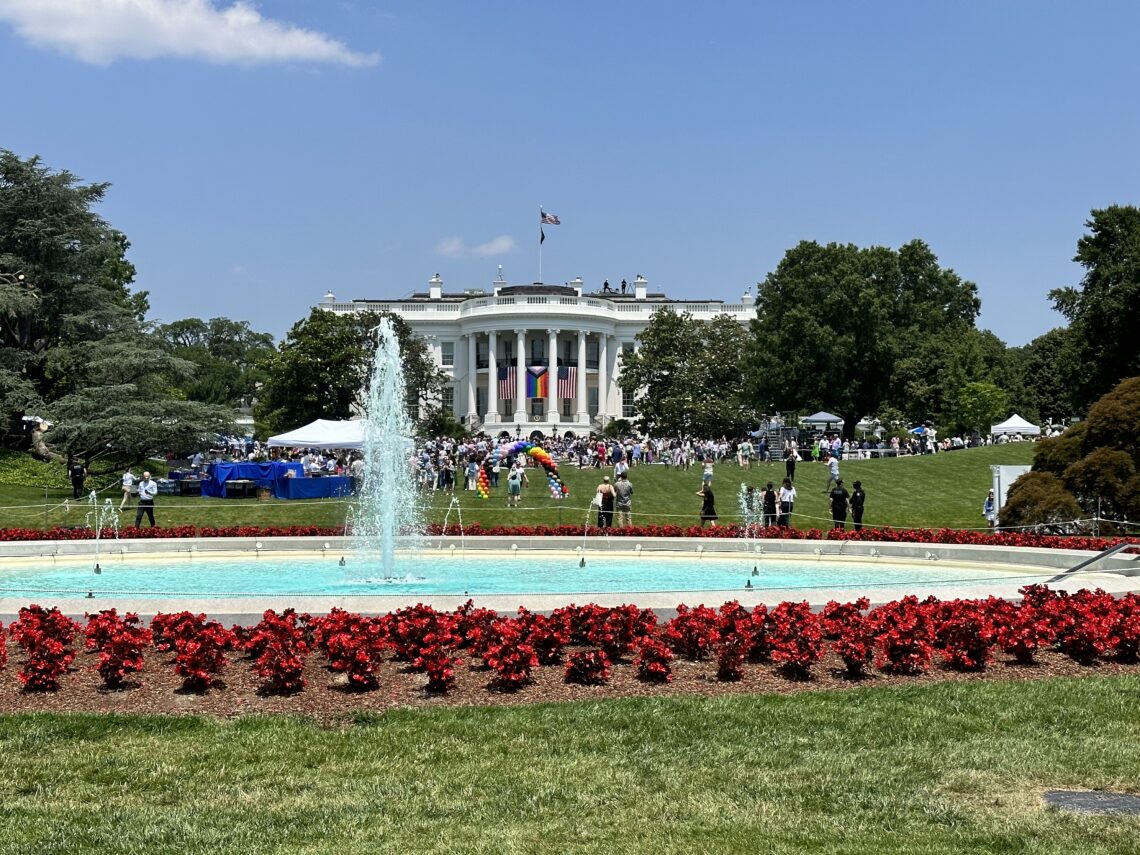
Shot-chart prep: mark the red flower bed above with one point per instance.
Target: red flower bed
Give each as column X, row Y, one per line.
column 1086, row 626
column 944, row 536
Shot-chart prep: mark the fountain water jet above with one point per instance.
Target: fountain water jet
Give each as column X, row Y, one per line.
column 388, row 505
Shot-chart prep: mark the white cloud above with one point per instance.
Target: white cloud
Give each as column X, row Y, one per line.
column 499, row 246
column 102, row 31
column 456, row 247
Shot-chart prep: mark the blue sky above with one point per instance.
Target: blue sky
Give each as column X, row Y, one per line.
column 262, row 154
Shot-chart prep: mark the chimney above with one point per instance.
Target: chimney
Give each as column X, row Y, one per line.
column 435, row 288
column 640, row 285
column 576, row 284
column 748, row 300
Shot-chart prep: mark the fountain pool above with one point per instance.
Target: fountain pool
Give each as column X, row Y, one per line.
column 422, row 575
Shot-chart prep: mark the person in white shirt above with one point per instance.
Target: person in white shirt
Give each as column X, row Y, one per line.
column 148, row 489
column 128, row 483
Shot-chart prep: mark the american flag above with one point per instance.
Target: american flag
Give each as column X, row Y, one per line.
column 507, row 382
column 567, row 381
column 548, row 219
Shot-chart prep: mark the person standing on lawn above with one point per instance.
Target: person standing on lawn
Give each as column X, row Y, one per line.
column 148, row 489
column 858, row 499
column 840, row 503
column 708, row 505
column 832, row 472
column 787, row 503
column 128, row 485
column 623, row 491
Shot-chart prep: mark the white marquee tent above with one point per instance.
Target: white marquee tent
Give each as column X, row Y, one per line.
column 822, row 418
column 1015, row 424
column 323, row 434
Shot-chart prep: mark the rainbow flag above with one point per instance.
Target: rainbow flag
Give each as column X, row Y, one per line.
column 536, row 381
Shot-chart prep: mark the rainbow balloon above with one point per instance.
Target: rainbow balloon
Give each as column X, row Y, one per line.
column 558, row 490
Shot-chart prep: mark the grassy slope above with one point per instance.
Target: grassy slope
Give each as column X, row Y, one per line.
column 956, row 767
column 944, row 490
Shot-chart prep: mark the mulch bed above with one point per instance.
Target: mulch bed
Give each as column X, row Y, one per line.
column 326, row 700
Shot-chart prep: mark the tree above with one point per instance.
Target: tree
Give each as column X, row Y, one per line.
column 322, row 369
column 1102, row 312
column 73, row 344
column 833, row 321
column 227, row 355
column 1095, row 464
column 686, row 376
column 981, row 404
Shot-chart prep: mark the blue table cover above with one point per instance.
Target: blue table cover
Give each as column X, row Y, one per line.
column 325, row 487
column 263, row 474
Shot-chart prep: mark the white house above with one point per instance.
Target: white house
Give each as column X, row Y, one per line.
column 527, row 358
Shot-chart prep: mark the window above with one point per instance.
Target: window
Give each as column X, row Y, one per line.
column 627, row 347
column 480, row 354
column 537, row 351
column 569, row 353
column 412, row 404
column 567, row 408
column 508, row 350
column 481, row 401
column 538, row 407
column 592, row 353
column 447, row 353
column 626, row 404
column 448, row 399
column 592, row 399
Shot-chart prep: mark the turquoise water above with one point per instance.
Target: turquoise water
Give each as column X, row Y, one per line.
column 441, row 574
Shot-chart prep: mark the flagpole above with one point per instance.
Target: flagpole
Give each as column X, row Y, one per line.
column 540, row 236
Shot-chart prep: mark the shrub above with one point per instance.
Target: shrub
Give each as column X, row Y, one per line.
column 835, row 616
column 45, row 635
column 797, row 642
column 904, row 636
column 964, row 632
column 578, row 620
column 1124, row 638
column 3, row 647
column 166, row 628
column 617, row 629
column 855, row 642
column 120, row 642
column 652, row 661
column 588, row 667
column 509, row 655
column 734, row 631
column 278, row 646
column 472, row 626
column 354, row 645
column 546, row 635
column 1024, row 629
column 692, row 634
column 201, row 654
column 1083, row 622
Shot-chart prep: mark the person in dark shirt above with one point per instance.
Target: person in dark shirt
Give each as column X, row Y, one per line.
column 840, row 501
column 768, row 497
column 708, row 506
column 858, row 499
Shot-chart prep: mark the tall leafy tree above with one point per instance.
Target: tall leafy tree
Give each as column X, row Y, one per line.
column 686, row 376
column 833, row 321
column 1102, row 312
column 322, row 369
column 73, row 344
column 226, row 353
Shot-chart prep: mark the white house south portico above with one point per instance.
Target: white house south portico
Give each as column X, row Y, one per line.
column 526, row 358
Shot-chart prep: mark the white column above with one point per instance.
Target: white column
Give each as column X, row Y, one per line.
column 520, row 377
column 603, row 386
column 613, row 395
column 583, row 413
column 552, row 375
column 471, row 412
column 492, row 380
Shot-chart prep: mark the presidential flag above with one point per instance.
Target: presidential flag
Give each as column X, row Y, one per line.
column 507, row 377
column 536, row 381
column 567, row 381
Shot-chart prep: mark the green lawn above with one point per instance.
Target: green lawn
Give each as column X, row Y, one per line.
column 944, row 490
column 952, row 767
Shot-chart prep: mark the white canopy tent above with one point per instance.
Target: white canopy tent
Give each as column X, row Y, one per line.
column 323, row 434
column 822, row 418
column 1015, row 424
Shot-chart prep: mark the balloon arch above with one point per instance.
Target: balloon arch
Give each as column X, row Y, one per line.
column 558, row 490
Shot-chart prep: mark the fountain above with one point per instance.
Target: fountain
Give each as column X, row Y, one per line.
column 101, row 517
column 387, row 506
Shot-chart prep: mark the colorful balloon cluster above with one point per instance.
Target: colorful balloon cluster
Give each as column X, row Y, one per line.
column 558, row 490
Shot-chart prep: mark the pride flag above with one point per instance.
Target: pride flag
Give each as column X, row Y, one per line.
column 536, row 381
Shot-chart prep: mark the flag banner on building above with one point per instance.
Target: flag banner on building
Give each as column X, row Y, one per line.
column 507, row 382
column 536, row 380
column 567, row 381
column 548, row 219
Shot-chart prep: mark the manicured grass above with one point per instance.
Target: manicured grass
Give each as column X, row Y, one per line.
column 952, row 767
column 935, row 491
